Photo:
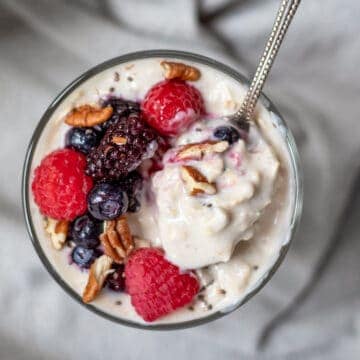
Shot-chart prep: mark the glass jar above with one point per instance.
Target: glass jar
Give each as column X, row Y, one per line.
column 180, row 55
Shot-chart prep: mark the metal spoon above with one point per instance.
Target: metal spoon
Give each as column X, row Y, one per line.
column 283, row 19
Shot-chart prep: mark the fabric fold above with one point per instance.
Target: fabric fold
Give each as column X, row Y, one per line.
column 314, row 83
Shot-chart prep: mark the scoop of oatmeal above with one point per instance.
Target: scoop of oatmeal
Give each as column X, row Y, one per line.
column 202, row 228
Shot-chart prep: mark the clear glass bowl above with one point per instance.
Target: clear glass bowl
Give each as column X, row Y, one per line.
column 26, row 186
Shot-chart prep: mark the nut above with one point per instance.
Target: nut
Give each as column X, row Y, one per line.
column 58, row 230
column 180, row 71
column 99, row 270
column 117, row 239
column 119, row 140
column 87, row 116
column 197, row 150
column 195, row 182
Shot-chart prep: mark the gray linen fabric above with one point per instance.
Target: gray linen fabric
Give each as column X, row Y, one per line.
column 310, row 310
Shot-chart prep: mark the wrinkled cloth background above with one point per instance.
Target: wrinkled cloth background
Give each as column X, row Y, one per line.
column 311, row 308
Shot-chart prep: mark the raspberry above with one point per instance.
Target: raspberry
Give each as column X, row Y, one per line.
column 171, row 106
column 112, row 160
column 155, row 285
column 60, row 185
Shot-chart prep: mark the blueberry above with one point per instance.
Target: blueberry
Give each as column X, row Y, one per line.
column 84, row 257
column 132, row 184
column 134, row 204
column 85, row 231
column 82, row 139
column 227, row 133
column 116, row 280
column 107, row 201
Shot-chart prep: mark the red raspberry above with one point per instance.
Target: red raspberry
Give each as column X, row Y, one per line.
column 156, row 286
column 60, row 185
column 171, row 106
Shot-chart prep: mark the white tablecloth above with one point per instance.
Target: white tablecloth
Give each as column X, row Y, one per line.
column 315, row 83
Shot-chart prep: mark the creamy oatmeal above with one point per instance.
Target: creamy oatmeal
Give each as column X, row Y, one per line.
column 222, row 213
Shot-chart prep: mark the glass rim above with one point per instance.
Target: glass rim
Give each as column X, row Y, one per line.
column 181, row 55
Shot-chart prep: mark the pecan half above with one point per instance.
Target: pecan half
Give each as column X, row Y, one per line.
column 87, row 116
column 99, row 270
column 196, row 183
column 197, row 150
column 117, row 239
column 58, row 230
column 177, row 70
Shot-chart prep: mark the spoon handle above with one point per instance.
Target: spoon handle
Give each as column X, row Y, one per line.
column 283, row 19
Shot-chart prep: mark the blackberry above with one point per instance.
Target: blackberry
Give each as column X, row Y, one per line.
column 121, row 108
column 116, row 280
column 126, row 143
